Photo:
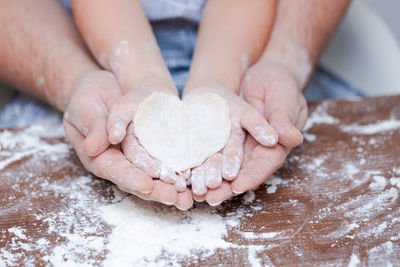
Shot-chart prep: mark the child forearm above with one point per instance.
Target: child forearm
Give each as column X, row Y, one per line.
column 42, row 55
column 301, row 31
column 120, row 37
column 231, row 37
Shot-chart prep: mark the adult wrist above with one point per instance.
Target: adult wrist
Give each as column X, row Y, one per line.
column 59, row 89
column 295, row 59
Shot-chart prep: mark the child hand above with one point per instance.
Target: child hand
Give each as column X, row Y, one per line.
column 121, row 130
column 227, row 165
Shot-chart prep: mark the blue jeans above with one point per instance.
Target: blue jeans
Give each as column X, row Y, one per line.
column 176, row 40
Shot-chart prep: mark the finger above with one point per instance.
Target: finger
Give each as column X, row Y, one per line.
column 198, row 198
column 198, row 180
column 167, row 174
column 136, row 154
column 283, row 109
column 233, row 153
column 92, row 126
column 96, row 142
column 110, row 165
column 258, row 127
column 249, row 145
column 165, row 194
column 214, row 197
column 289, row 135
column 121, row 114
column 180, row 183
column 262, row 164
column 303, row 115
column 213, row 171
column 185, row 200
column 186, row 174
column 162, row 192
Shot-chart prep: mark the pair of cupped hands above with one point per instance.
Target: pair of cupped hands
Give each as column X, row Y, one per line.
column 266, row 119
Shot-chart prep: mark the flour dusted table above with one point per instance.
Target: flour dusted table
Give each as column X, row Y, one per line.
column 334, row 202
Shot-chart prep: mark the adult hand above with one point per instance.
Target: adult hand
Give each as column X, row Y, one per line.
column 274, row 91
column 243, row 117
column 85, row 124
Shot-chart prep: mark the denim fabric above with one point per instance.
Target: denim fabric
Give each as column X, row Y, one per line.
column 176, row 40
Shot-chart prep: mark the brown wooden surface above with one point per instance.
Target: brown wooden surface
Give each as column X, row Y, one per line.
column 336, row 197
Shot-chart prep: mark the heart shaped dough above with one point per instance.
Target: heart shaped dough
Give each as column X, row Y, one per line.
column 182, row 134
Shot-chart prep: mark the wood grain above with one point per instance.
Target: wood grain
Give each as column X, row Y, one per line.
column 336, row 197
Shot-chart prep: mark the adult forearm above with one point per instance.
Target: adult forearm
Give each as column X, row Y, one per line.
column 301, row 31
column 40, row 50
column 231, row 37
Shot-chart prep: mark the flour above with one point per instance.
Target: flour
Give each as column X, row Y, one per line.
column 273, row 183
column 354, row 261
column 249, row 196
column 379, row 183
column 89, row 229
column 252, row 235
column 395, row 182
column 350, row 169
column 150, row 234
column 253, row 258
column 374, row 128
column 309, row 137
column 18, row 232
column 319, row 116
column 32, row 144
column 363, row 206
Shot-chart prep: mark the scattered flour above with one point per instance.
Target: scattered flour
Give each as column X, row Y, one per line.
column 128, row 231
column 395, row 182
column 253, row 258
column 150, row 232
column 363, row 206
column 379, row 230
column 273, row 183
column 88, row 229
column 351, row 169
column 309, row 137
column 252, row 235
column 18, row 232
column 249, row 196
column 369, row 129
column 379, row 183
column 319, row 116
column 377, row 256
column 354, row 261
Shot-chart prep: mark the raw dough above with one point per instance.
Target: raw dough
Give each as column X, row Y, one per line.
column 182, row 134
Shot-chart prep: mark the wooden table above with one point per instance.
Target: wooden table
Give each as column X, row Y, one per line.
column 334, row 202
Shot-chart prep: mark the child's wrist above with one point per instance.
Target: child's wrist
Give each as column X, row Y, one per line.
column 212, row 83
column 150, row 82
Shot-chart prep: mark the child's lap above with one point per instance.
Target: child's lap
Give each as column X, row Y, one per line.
column 176, row 40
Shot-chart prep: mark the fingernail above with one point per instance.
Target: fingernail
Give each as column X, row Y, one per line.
column 264, row 138
column 181, row 209
column 237, row 192
column 268, row 140
column 118, row 130
column 215, row 204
